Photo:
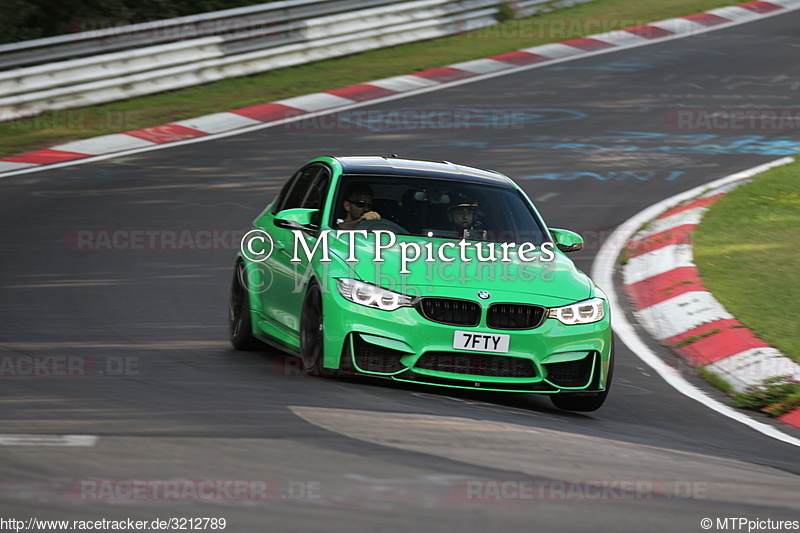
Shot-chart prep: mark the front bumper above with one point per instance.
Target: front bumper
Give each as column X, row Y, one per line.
column 405, row 346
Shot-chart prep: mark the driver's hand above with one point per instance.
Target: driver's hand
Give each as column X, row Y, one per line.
column 370, row 215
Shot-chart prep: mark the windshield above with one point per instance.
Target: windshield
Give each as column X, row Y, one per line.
column 435, row 208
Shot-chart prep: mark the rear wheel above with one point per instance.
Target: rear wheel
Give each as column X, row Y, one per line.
column 585, row 402
column 311, row 331
column 239, row 325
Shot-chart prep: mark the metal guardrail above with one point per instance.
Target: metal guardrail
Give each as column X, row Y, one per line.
column 231, row 24
column 155, row 57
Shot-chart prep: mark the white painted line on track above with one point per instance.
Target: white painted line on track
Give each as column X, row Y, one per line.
column 47, row 440
column 602, row 274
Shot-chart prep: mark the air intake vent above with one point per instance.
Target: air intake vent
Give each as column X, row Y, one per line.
column 373, row 358
column 571, row 373
column 450, row 311
column 516, row 316
column 477, row 364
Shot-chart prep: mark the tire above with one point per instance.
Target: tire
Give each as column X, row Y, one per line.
column 239, row 325
column 585, row 402
column 311, row 332
column 579, row 402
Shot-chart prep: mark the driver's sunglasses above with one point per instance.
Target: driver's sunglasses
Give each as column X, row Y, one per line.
column 360, row 203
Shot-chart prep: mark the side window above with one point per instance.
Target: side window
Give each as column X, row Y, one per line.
column 285, row 191
column 315, row 198
column 317, row 191
column 297, row 189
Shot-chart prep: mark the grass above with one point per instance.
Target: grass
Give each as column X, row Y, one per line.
column 54, row 128
column 716, row 380
column 746, row 249
column 695, row 338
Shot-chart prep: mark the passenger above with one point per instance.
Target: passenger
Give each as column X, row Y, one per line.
column 462, row 213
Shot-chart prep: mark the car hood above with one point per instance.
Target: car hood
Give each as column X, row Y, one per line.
column 557, row 280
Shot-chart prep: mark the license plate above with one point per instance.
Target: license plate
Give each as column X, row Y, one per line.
column 481, row 342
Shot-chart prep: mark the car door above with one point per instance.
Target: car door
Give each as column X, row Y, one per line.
column 283, row 302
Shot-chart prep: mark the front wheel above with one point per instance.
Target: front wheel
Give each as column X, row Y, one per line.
column 311, row 331
column 585, row 402
column 576, row 402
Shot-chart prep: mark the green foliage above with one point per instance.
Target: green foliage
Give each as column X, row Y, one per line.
column 505, row 12
column 15, row 18
column 775, row 396
column 716, row 380
column 695, row 338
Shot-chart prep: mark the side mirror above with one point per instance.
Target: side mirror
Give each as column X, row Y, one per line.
column 298, row 218
column 567, row 241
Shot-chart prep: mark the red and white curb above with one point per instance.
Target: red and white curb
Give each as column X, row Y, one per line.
column 603, row 269
column 281, row 111
column 671, row 302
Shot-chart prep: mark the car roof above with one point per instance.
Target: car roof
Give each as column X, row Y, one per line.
column 394, row 166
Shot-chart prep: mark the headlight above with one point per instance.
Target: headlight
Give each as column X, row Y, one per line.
column 584, row 312
column 372, row 295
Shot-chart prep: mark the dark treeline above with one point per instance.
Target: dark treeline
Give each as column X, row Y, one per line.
column 21, row 20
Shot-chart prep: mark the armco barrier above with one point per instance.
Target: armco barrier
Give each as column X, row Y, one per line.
column 230, row 24
column 333, row 30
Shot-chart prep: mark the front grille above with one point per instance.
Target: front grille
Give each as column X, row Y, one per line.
column 450, row 311
column 477, row 364
column 571, row 373
column 373, row 358
column 515, row 316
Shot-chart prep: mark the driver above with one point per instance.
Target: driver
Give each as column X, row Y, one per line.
column 358, row 205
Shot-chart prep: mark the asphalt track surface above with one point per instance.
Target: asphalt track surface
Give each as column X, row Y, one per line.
column 170, row 400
